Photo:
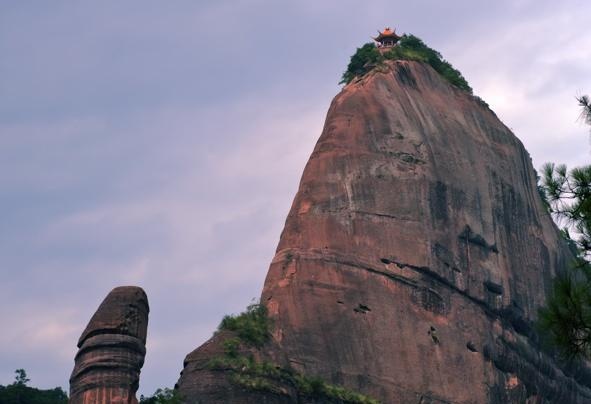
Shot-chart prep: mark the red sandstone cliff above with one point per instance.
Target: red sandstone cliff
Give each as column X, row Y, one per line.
column 413, row 260
column 111, row 350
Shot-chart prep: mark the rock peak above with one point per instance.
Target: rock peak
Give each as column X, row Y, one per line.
column 413, row 260
column 112, row 350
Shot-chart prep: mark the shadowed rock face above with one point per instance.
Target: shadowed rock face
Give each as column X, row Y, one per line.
column 111, row 350
column 414, row 257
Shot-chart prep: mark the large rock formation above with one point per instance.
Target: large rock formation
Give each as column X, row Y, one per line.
column 413, row 260
column 111, row 350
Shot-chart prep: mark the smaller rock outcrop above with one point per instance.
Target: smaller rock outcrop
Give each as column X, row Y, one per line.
column 112, row 350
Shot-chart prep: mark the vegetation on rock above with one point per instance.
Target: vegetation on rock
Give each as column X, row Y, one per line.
column 566, row 319
column 409, row 47
column 19, row 393
column 253, row 374
column 252, row 329
column 251, row 326
column 162, row 396
column 363, row 60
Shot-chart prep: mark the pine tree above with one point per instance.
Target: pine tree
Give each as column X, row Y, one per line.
column 565, row 321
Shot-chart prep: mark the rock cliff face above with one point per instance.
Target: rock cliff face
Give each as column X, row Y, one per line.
column 111, row 350
column 413, row 260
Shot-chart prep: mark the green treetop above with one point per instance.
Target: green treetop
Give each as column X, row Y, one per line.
column 409, row 47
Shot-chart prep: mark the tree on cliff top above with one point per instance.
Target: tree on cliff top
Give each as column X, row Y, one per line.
column 409, row 47
column 566, row 319
column 362, row 61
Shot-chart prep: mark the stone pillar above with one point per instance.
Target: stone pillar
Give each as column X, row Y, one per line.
column 112, row 350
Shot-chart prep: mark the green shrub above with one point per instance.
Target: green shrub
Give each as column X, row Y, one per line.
column 310, row 386
column 231, row 346
column 362, row 61
column 252, row 382
column 409, row 47
column 251, row 326
column 249, row 373
column 162, row 396
column 226, row 362
column 317, row 388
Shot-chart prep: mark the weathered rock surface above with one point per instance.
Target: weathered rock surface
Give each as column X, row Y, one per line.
column 414, row 257
column 112, row 350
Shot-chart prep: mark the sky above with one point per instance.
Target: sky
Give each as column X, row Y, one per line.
column 160, row 144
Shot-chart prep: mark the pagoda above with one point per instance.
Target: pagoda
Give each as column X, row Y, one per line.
column 387, row 38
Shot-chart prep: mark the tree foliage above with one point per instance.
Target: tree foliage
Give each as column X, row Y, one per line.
column 569, row 196
column 566, row 319
column 19, row 393
column 413, row 48
column 585, row 104
column 251, row 329
column 363, row 60
column 21, row 377
column 409, row 47
column 251, row 326
column 162, row 396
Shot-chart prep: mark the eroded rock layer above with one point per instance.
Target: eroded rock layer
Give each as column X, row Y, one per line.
column 414, row 258
column 112, row 350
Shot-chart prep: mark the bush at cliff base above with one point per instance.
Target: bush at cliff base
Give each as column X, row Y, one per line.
column 162, row 396
column 408, row 48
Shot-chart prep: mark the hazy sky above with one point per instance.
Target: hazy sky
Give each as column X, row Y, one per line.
column 160, row 143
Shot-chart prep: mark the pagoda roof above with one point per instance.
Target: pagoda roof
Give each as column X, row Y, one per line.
column 387, row 33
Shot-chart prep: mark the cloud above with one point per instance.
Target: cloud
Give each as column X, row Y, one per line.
column 531, row 69
column 174, row 214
